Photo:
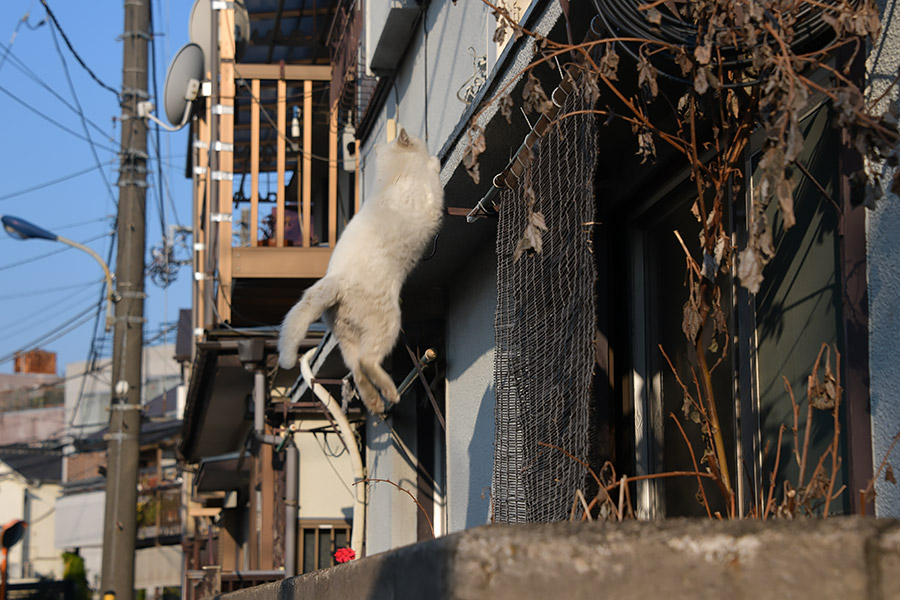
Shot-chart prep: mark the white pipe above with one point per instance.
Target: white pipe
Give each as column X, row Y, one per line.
column 344, row 430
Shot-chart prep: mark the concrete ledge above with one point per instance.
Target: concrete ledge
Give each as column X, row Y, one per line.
column 837, row 558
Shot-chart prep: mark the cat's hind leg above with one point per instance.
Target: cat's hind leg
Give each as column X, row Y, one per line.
column 370, row 396
column 380, row 378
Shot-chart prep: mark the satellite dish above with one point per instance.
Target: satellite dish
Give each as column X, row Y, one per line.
column 200, row 30
column 182, row 83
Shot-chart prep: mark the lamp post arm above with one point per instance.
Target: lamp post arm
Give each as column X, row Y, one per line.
column 111, row 294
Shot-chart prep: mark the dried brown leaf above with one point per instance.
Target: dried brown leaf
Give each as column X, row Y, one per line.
column 609, row 63
column 647, row 76
column 506, row 107
column 889, row 474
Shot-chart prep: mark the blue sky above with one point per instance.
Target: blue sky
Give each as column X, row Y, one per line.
column 49, row 293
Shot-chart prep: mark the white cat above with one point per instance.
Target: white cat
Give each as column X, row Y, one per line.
column 359, row 296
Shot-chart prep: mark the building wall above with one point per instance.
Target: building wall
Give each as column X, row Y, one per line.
column 884, row 278
column 36, row 554
column 79, row 519
column 35, row 425
column 326, row 475
column 470, row 392
column 89, row 414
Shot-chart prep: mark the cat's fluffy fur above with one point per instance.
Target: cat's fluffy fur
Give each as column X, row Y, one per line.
column 359, row 296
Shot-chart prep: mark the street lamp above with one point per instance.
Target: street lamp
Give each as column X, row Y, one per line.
column 12, row 533
column 23, row 230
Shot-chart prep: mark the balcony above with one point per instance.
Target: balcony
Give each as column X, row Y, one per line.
column 267, row 203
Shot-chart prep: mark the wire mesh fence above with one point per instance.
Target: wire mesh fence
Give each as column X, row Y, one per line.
column 544, row 326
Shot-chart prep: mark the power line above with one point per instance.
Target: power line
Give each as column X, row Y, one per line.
column 48, row 254
column 12, row 39
column 53, row 121
column 25, row 70
column 81, row 115
column 61, row 288
column 56, row 333
column 39, row 186
column 22, row 323
column 74, row 53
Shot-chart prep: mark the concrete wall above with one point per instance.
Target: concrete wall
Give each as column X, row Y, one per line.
column 470, row 392
column 33, row 425
column 884, row 277
column 699, row 559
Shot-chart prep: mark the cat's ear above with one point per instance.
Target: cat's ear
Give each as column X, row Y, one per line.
column 403, row 138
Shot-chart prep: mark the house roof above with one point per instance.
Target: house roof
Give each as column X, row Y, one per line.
column 33, row 463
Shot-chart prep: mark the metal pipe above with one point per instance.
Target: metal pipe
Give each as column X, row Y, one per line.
column 344, row 430
column 292, row 494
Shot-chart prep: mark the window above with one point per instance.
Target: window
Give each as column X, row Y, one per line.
column 773, row 336
column 319, row 541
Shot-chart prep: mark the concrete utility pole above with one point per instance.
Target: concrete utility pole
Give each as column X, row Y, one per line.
column 123, row 453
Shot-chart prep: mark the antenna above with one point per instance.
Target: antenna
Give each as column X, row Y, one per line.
column 200, row 30
column 181, row 89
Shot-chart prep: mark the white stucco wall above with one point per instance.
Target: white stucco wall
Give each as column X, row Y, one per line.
column 326, row 475
column 38, row 546
column 470, row 392
column 883, row 223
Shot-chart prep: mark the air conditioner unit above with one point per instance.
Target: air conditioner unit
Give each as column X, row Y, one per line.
column 390, row 25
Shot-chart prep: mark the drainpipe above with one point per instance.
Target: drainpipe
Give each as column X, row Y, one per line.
column 292, row 493
column 344, row 430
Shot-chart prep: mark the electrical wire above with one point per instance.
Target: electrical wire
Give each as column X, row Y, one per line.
column 81, row 116
column 22, row 323
column 52, row 121
column 53, row 335
column 48, row 254
column 622, row 18
column 61, row 288
column 25, row 70
column 39, row 186
column 15, row 34
column 74, row 53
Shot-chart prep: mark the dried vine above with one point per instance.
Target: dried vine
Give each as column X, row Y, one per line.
column 739, row 66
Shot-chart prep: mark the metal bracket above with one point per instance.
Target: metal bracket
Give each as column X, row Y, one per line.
column 136, row 183
column 199, row 276
column 222, row 5
column 223, row 147
column 222, row 176
column 141, row 295
column 131, row 319
column 119, row 437
column 199, row 247
column 201, row 171
column 200, row 144
column 221, row 218
column 124, row 406
column 222, row 109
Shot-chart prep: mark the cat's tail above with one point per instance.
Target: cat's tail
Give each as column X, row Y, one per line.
column 316, row 300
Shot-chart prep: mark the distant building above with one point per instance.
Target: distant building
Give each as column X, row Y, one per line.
column 29, row 486
column 81, row 505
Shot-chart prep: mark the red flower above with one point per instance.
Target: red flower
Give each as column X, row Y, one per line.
column 344, row 555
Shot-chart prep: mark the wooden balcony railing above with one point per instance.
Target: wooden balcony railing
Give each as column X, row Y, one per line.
column 287, row 229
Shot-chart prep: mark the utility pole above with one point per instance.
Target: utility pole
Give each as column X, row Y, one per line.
column 123, row 450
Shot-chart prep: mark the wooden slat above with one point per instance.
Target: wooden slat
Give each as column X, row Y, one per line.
column 279, row 221
column 225, row 163
column 307, row 160
column 356, row 178
column 254, row 165
column 303, row 263
column 201, row 233
column 267, row 529
column 291, row 72
column 332, row 175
